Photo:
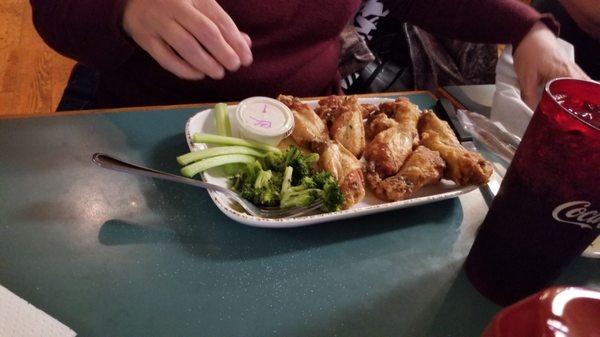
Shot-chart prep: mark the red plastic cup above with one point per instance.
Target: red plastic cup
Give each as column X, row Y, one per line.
column 547, row 210
column 565, row 312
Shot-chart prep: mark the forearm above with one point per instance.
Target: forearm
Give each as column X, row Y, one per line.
column 482, row 21
column 88, row 31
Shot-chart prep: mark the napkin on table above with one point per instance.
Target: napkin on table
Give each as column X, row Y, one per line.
column 21, row 319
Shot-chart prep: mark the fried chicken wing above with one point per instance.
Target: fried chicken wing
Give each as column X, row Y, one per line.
column 462, row 166
column 309, row 130
column 368, row 110
column 388, row 150
column 348, row 129
column 377, row 123
column 346, row 169
column 343, row 116
column 423, row 167
column 405, row 113
column 327, row 108
column 396, row 135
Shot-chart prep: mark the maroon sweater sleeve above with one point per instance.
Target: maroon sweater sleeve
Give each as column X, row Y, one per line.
column 88, row 31
column 484, row 21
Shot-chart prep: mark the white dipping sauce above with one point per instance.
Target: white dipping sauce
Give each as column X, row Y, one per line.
column 264, row 119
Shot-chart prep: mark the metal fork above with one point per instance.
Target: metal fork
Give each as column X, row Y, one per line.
column 111, row 163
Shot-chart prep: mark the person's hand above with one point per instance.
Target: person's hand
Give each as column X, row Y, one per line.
column 538, row 59
column 190, row 38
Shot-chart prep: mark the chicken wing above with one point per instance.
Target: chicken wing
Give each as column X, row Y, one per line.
column 389, row 148
column 405, row 113
column 423, row 167
column 327, row 108
column 343, row 116
column 462, row 166
column 346, row 169
column 347, row 128
column 376, row 124
column 309, row 130
column 368, row 110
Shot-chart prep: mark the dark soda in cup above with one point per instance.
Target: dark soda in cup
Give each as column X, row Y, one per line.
column 547, row 210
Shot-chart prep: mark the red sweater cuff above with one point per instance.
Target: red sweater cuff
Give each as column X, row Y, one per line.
column 546, row 18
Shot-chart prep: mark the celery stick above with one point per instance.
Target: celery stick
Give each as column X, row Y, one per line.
column 191, row 157
column 222, row 119
column 224, row 129
column 203, row 165
column 222, row 140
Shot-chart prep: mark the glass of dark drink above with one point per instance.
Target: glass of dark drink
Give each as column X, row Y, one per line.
column 547, row 210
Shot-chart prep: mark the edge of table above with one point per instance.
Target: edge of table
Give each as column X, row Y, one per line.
column 182, row 106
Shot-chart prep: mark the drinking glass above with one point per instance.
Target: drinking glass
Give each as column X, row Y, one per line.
column 547, row 210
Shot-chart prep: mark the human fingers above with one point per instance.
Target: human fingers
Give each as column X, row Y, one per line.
column 528, row 83
column 561, row 66
column 248, row 39
column 210, row 37
column 230, row 32
column 191, row 51
column 136, row 18
column 164, row 55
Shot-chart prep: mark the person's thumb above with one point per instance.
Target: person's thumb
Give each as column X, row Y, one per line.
column 528, row 91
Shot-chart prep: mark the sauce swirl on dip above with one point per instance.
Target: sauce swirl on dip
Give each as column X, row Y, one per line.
column 264, row 119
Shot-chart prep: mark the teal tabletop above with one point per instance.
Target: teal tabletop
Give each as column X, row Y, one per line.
column 110, row 254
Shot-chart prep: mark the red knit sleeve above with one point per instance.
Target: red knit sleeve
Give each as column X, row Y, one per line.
column 484, row 21
column 88, row 31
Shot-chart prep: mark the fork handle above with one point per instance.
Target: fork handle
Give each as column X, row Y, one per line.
column 112, row 163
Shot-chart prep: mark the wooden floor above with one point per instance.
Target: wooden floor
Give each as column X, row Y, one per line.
column 32, row 76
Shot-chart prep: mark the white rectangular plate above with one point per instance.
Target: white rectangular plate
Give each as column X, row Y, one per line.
column 203, row 121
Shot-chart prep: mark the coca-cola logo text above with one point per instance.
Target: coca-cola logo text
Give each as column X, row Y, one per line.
column 577, row 213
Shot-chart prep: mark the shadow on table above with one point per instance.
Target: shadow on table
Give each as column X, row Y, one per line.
column 439, row 302
column 464, row 311
column 188, row 216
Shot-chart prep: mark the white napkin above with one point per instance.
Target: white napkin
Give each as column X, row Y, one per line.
column 21, row 319
column 507, row 106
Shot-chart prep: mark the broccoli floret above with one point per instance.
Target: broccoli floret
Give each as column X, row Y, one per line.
column 276, row 180
column 263, row 178
column 332, row 195
column 253, row 170
column 323, row 177
column 307, row 182
column 291, row 154
column 301, row 167
column 311, row 158
column 322, row 185
column 274, row 161
column 257, row 185
column 237, row 181
column 270, row 198
column 302, row 164
column 245, row 176
column 270, row 184
column 299, row 198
